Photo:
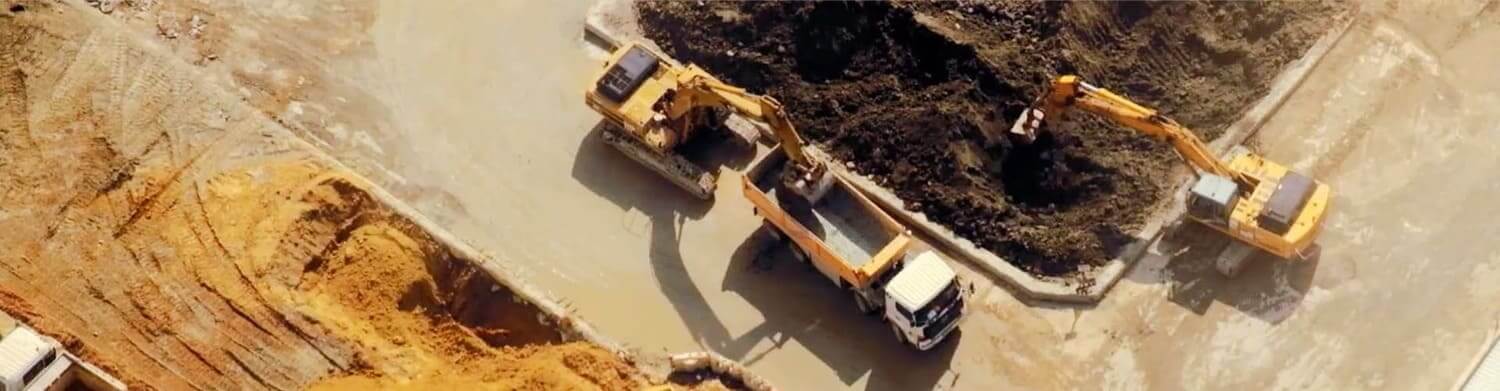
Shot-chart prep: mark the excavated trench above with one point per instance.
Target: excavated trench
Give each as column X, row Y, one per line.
column 374, row 261
column 387, row 270
column 412, row 310
column 919, row 96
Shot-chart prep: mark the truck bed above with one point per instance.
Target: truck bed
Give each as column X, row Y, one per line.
column 847, row 227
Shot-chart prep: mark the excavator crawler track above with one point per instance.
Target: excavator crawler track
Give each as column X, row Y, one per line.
column 676, row 169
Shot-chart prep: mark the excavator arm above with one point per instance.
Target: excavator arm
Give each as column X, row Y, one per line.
column 1255, row 201
column 1069, row 91
column 698, row 89
column 807, row 176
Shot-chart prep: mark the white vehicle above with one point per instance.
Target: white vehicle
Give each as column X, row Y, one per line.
column 924, row 300
column 24, row 356
column 862, row 249
column 30, row 361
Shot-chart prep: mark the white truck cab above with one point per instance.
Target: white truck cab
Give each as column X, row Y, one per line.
column 24, row 357
column 924, row 301
column 30, row 361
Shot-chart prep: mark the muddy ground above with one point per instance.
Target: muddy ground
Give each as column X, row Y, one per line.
column 918, row 95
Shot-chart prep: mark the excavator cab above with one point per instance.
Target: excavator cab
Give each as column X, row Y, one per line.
column 1212, row 198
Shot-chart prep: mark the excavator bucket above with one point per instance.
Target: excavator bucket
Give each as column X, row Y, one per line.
column 1027, row 125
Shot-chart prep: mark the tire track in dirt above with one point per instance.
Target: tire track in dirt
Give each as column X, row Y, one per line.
column 13, row 102
column 141, row 180
column 178, row 227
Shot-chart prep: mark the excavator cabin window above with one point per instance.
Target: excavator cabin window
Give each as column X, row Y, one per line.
column 38, row 367
column 1211, row 199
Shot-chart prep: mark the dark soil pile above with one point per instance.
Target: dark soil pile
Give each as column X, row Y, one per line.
column 919, row 96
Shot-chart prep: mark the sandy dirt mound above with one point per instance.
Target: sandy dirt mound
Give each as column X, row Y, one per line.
column 416, row 315
column 574, row 366
column 164, row 229
column 914, row 94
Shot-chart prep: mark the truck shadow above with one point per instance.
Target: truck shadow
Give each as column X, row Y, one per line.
column 799, row 305
column 1267, row 288
column 613, row 176
column 677, row 285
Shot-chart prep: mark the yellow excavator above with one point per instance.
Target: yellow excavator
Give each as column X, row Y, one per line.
column 654, row 106
column 1261, row 204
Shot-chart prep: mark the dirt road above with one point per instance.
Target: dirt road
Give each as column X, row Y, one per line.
column 474, row 109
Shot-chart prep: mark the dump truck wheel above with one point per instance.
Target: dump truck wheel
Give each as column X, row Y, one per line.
column 900, row 337
column 864, row 305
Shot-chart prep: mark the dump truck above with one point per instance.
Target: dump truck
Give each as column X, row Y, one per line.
column 858, row 247
column 30, row 361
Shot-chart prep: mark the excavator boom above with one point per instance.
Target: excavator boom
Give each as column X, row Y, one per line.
column 1068, row 91
column 698, row 89
column 1253, row 200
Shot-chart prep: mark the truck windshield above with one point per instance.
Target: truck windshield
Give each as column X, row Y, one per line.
column 38, row 367
column 936, row 306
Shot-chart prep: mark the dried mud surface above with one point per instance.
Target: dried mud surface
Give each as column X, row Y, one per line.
column 918, row 95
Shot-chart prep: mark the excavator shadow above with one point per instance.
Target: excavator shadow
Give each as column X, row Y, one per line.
column 607, row 172
column 1267, row 288
column 611, row 175
column 799, row 306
